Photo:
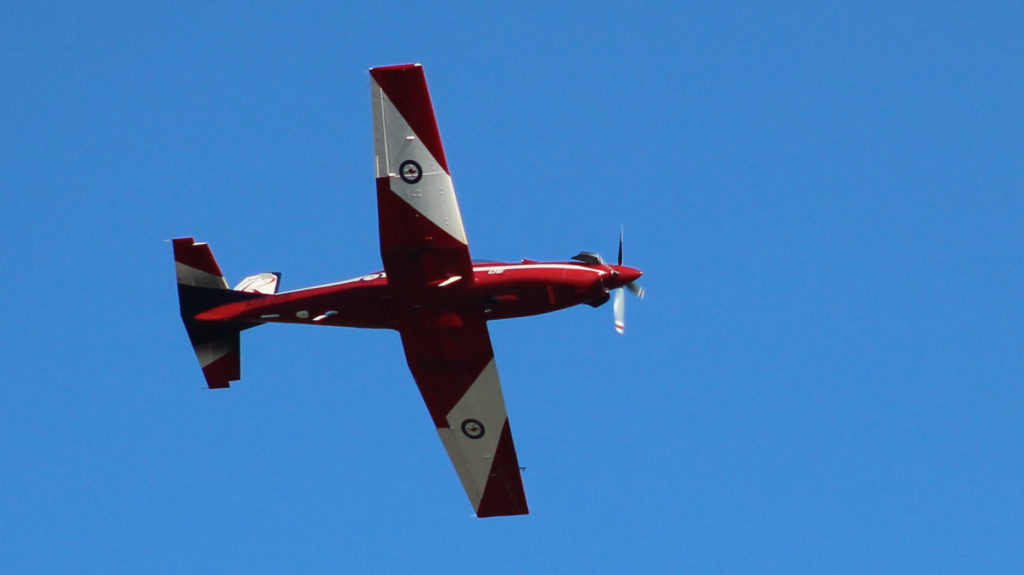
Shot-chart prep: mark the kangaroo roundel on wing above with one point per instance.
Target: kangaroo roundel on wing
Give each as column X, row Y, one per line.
column 410, row 172
column 473, row 429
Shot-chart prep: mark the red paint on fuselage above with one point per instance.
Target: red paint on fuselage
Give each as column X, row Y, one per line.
column 500, row 290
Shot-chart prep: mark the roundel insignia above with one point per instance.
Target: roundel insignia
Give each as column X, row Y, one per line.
column 472, row 429
column 410, row 172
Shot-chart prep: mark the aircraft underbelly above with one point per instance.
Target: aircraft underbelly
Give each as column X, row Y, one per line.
column 529, row 299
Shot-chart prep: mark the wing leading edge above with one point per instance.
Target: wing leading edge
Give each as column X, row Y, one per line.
column 424, row 248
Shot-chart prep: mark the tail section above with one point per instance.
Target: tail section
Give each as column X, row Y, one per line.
column 202, row 286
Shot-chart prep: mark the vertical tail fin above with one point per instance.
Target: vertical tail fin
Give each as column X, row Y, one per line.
column 202, row 286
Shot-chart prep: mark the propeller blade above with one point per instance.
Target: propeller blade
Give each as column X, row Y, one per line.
column 636, row 288
column 620, row 245
column 619, row 309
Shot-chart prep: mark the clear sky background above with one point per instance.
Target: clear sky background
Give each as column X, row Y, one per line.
column 825, row 376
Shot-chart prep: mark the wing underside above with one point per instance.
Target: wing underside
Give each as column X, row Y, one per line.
column 426, row 256
column 422, row 240
column 452, row 361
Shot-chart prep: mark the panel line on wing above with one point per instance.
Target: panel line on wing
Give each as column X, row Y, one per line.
column 383, row 139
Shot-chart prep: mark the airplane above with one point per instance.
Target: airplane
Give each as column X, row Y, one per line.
column 430, row 291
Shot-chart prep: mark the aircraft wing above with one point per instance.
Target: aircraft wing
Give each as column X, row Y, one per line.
column 422, row 241
column 426, row 257
column 450, row 357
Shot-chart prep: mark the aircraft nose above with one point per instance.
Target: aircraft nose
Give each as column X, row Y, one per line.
column 626, row 275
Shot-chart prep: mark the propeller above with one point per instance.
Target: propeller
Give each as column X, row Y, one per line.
column 619, row 303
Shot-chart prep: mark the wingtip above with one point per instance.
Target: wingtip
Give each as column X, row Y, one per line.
column 395, row 67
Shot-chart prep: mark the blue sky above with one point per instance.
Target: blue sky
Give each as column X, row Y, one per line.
column 825, row 375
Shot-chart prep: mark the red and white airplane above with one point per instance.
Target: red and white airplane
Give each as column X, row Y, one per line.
column 430, row 291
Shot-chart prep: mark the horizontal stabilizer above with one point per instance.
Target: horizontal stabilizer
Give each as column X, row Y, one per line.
column 202, row 286
column 195, row 266
column 220, row 356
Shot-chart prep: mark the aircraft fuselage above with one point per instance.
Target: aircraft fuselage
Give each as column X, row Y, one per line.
column 500, row 290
